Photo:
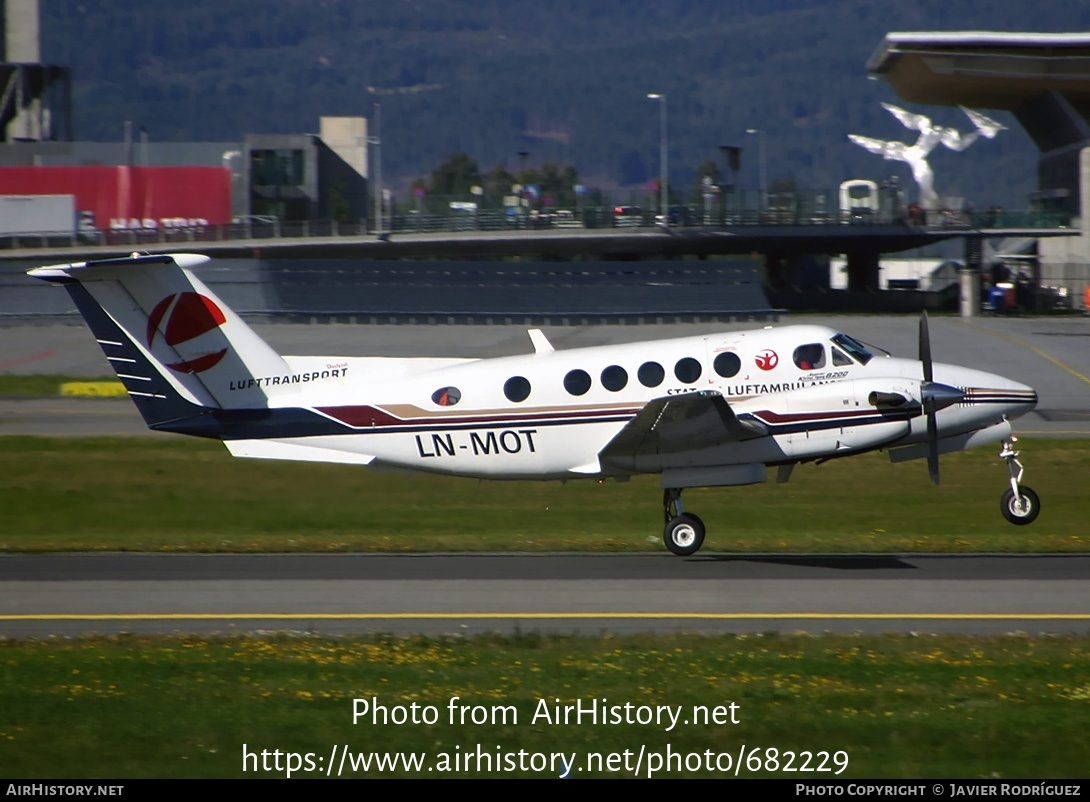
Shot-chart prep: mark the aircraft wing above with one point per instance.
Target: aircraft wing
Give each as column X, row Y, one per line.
column 676, row 424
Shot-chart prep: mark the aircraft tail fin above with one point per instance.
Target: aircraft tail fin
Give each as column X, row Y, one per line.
column 177, row 348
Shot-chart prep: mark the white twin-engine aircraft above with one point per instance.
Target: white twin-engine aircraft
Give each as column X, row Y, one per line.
column 700, row 411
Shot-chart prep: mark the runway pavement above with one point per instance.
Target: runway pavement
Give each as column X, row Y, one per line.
column 568, row 593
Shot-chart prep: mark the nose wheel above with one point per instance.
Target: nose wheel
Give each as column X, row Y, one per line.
column 684, row 532
column 1020, row 504
column 1021, row 509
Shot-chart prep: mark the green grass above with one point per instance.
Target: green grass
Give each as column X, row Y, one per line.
column 908, row 707
column 901, row 706
column 164, row 494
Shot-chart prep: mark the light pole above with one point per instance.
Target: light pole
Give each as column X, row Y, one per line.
column 663, row 169
column 732, row 156
column 376, row 140
column 523, row 193
column 237, row 207
column 761, row 158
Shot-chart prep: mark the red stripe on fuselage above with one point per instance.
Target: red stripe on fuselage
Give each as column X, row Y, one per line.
column 367, row 416
column 768, row 416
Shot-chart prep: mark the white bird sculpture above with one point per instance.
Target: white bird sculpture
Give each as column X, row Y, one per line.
column 915, row 156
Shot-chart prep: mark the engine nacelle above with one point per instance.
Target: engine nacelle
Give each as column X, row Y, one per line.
column 845, row 416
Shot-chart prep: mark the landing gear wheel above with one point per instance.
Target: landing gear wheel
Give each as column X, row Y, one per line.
column 684, row 534
column 1024, row 513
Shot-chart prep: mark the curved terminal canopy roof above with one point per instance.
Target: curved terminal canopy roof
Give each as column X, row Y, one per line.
column 1044, row 78
column 993, row 70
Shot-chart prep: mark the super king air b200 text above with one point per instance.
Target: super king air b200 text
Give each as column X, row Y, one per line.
column 700, row 411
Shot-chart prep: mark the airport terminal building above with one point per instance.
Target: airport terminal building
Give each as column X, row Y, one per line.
column 135, row 183
column 1044, row 80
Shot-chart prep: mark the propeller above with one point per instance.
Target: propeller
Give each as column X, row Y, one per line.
column 935, row 396
column 929, row 406
column 925, row 350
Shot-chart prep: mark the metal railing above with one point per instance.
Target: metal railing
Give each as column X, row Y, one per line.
column 740, row 210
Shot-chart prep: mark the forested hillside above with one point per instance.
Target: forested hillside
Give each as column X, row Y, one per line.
column 564, row 81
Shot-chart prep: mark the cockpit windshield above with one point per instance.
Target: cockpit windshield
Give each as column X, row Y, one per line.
column 854, row 348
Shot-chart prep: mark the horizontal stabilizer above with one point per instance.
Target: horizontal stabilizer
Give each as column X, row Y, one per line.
column 589, row 469
column 273, row 449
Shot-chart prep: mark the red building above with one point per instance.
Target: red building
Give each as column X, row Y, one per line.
column 132, row 197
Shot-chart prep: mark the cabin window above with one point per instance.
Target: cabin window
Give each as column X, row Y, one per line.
column 727, row 364
column 810, row 356
column 614, row 378
column 516, row 388
column 447, row 396
column 577, row 382
column 687, row 370
column 854, row 348
column 651, row 374
column 839, row 358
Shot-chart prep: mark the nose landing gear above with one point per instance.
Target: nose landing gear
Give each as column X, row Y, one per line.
column 1020, row 505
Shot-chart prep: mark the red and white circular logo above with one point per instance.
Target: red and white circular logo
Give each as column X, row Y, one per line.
column 767, row 359
column 183, row 321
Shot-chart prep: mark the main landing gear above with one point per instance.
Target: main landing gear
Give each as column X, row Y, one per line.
column 684, row 533
column 1020, row 505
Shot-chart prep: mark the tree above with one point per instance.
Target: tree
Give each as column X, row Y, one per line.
column 553, row 181
column 456, row 175
column 707, row 169
column 339, row 208
column 498, row 181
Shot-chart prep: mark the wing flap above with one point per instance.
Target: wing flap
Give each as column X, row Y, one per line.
column 677, row 424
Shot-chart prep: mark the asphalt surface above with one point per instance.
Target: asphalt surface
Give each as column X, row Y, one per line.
column 568, row 593
column 71, row 594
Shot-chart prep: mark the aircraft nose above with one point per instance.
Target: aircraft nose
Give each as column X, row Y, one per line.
column 1016, row 399
column 988, row 393
column 1028, row 400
